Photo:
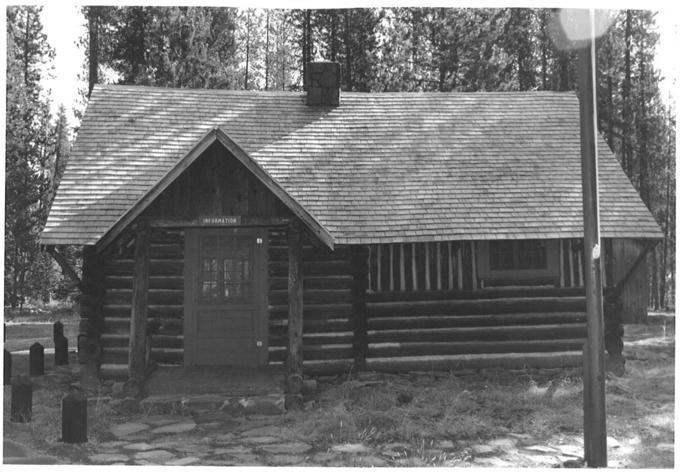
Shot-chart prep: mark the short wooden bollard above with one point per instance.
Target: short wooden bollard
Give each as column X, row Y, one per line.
column 22, row 399
column 8, row 368
column 57, row 330
column 74, row 418
column 36, row 360
column 61, row 351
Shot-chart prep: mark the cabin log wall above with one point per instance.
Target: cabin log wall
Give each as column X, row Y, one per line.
column 165, row 301
column 327, row 295
column 391, row 328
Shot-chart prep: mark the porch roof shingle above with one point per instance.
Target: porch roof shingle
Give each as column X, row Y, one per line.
column 383, row 167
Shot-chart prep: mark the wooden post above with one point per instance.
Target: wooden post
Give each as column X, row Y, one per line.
column 140, row 304
column 359, row 325
column 571, row 263
column 370, row 263
column 474, row 265
column 427, row 266
column 402, row 268
column 8, row 368
column 21, row 401
column 391, row 267
column 450, row 268
column 74, row 418
column 439, row 265
column 36, row 359
column 294, row 380
column 561, row 263
column 378, row 250
column 595, row 429
column 414, row 267
column 459, row 264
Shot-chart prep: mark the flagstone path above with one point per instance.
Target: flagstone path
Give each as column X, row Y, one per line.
column 219, row 439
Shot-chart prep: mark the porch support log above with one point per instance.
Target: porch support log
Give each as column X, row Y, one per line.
column 295, row 319
column 140, row 305
column 359, row 322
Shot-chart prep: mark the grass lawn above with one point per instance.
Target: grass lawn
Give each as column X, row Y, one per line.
column 421, row 411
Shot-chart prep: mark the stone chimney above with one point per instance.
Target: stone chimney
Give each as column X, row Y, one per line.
column 323, row 84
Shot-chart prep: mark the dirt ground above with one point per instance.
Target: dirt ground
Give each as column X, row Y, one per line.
column 491, row 418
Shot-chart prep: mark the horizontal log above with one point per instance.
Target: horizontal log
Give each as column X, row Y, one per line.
column 114, row 371
column 119, row 355
column 493, row 333
column 314, row 339
column 472, row 307
column 280, row 254
column 174, row 250
column 313, row 296
column 503, row 319
column 156, row 311
column 325, row 311
column 156, row 267
column 167, row 356
column 319, row 282
column 544, row 360
column 321, row 352
column 280, row 327
column 487, row 293
column 322, row 367
column 121, row 324
column 157, row 340
column 473, row 347
column 156, row 296
column 280, row 269
column 157, row 281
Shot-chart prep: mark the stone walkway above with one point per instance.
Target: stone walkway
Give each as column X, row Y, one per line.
column 220, row 439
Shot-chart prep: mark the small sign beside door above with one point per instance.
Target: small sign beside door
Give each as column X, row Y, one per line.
column 219, row 220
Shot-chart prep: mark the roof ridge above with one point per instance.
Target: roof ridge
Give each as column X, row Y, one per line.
column 411, row 93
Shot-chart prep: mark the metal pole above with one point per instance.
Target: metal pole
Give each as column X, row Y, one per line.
column 594, row 421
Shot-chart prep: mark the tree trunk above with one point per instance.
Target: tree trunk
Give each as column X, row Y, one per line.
column 26, row 47
column 334, row 35
column 544, row 51
column 93, row 55
column 266, row 56
column 348, row 50
column 625, row 95
column 245, row 85
column 644, row 187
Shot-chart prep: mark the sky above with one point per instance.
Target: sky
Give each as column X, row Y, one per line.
column 64, row 25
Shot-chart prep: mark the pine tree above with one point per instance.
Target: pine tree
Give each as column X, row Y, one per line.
column 28, row 154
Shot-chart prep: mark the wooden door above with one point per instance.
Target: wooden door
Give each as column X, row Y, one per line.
column 225, row 306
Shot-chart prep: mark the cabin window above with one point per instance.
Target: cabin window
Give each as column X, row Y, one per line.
column 530, row 254
column 407, row 267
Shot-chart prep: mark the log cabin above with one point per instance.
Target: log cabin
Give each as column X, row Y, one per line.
column 322, row 232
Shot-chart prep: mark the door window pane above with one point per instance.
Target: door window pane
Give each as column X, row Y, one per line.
column 236, row 278
column 209, row 277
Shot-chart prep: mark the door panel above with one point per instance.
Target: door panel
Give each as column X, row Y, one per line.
column 225, row 297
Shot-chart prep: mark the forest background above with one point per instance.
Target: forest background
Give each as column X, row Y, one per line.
column 380, row 49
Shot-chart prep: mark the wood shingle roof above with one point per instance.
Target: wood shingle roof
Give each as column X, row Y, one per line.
column 388, row 167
